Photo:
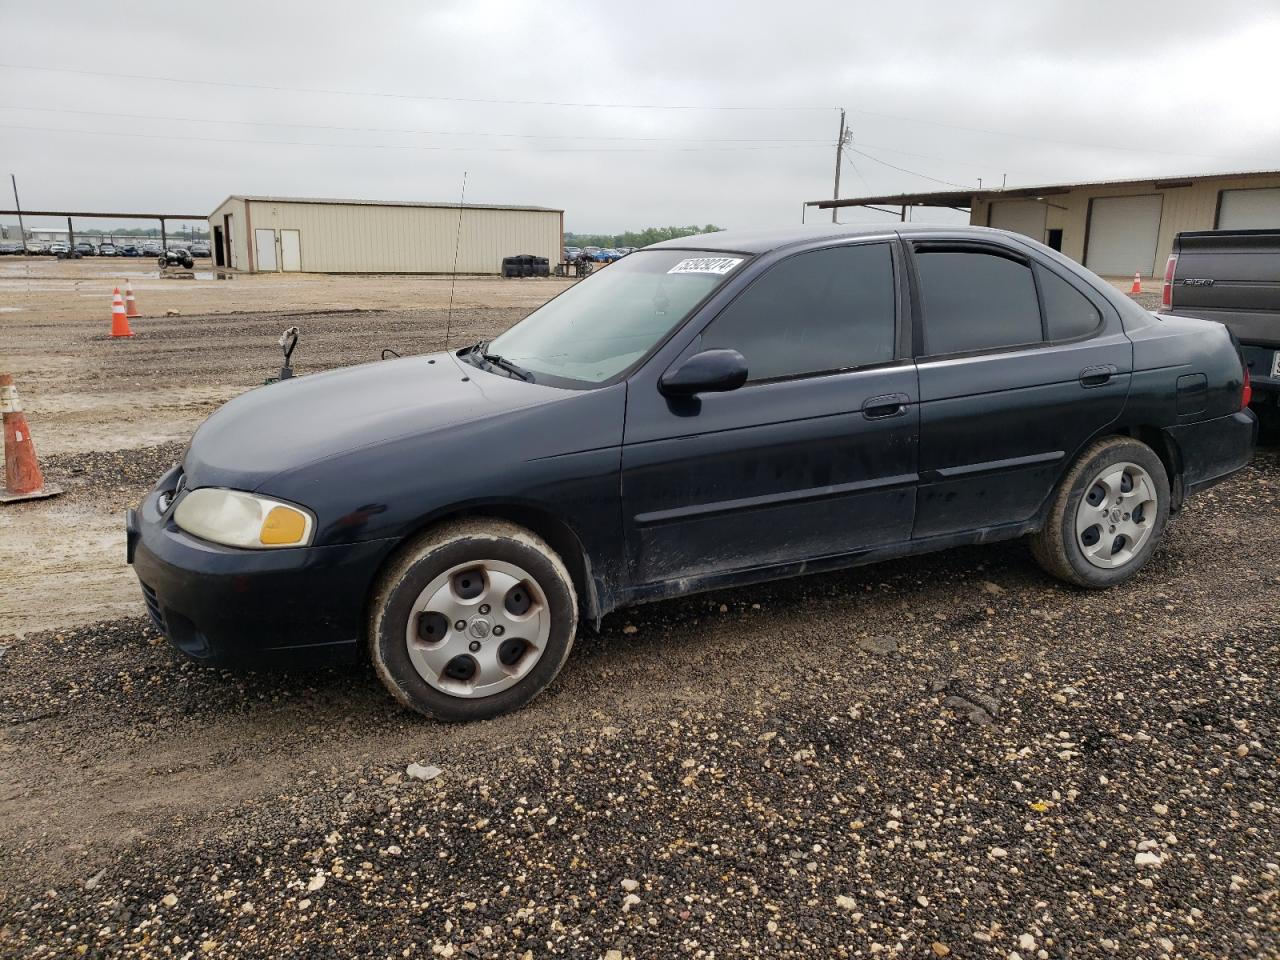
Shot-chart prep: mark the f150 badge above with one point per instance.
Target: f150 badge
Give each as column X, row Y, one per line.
column 1197, row 282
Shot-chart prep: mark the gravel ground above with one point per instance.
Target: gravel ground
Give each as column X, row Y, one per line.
column 948, row 755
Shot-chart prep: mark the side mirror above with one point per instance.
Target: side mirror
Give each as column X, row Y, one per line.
column 711, row 371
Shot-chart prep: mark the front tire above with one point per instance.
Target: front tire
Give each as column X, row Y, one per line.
column 473, row 619
column 1107, row 515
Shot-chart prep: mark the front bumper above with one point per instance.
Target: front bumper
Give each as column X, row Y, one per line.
column 226, row 605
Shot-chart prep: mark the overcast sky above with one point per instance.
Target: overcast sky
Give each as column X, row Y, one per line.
column 394, row 101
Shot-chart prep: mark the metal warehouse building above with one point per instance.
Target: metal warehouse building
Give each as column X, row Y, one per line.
column 270, row 234
column 1113, row 227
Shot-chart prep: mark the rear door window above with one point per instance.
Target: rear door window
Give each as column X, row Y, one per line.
column 812, row 313
column 973, row 300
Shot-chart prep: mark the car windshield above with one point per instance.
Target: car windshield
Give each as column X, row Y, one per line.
column 602, row 325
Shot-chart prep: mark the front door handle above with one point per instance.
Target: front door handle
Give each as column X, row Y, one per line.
column 883, row 407
column 1096, row 376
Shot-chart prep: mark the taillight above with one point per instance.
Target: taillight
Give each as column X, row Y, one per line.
column 1246, row 394
column 1166, row 292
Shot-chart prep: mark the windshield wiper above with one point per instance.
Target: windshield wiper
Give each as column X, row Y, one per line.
column 502, row 363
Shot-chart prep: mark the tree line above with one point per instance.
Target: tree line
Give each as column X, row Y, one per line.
column 636, row 238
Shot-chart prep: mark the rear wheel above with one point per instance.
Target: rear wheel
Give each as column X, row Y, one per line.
column 472, row 620
column 1107, row 515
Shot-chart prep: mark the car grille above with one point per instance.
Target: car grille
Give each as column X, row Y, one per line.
column 153, row 606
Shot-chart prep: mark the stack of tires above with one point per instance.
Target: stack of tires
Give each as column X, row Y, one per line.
column 526, row 265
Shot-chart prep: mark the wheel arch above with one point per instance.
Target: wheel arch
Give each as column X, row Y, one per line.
column 1157, row 438
column 1165, row 447
column 538, row 520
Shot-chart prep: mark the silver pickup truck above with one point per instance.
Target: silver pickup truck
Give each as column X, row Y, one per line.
column 1233, row 276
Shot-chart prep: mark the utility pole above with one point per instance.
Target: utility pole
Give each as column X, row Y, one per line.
column 22, row 230
column 840, row 142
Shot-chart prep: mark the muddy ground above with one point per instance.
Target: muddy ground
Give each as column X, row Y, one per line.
column 944, row 756
column 104, row 410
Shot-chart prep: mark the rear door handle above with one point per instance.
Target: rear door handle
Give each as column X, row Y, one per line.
column 1096, row 376
column 885, row 406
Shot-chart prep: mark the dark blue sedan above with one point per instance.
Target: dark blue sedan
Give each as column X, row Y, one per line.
column 707, row 412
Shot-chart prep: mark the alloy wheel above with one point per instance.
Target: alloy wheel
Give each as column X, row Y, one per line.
column 1116, row 515
column 478, row 628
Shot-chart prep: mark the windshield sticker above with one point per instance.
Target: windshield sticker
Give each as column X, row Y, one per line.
column 716, row 265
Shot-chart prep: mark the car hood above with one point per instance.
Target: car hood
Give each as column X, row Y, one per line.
column 306, row 419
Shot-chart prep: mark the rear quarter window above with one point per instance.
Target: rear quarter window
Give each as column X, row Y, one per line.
column 1068, row 314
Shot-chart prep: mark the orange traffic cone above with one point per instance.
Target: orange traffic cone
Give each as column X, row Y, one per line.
column 21, row 470
column 1137, row 283
column 119, row 322
column 130, row 304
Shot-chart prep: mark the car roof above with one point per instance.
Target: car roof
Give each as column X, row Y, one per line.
column 763, row 241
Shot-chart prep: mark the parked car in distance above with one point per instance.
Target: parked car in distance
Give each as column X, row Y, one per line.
column 590, row 252
column 176, row 256
column 605, row 255
column 571, row 253
column 59, row 249
column 199, row 249
column 1233, row 276
column 85, row 249
column 744, row 407
column 152, row 247
column 106, row 249
column 9, row 248
column 128, row 250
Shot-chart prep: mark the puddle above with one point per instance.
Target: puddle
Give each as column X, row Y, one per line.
column 185, row 275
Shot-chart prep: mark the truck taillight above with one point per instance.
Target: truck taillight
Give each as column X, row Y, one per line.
column 1166, row 291
column 1246, row 394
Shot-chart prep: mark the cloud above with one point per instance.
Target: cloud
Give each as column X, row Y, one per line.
column 1037, row 91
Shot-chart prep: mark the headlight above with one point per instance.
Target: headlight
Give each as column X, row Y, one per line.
column 242, row 520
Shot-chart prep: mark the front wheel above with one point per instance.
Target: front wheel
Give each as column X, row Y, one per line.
column 473, row 619
column 1107, row 515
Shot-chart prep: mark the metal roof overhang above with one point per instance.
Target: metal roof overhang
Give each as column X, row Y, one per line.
column 966, row 198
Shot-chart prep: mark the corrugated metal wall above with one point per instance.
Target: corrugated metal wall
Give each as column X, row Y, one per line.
column 367, row 238
column 1191, row 207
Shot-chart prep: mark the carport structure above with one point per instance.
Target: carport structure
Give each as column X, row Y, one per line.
column 87, row 215
column 1114, row 227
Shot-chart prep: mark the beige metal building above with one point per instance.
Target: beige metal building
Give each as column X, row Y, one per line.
column 286, row 234
column 1114, row 227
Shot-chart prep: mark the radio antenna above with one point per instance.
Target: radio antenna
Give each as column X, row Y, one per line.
column 457, row 244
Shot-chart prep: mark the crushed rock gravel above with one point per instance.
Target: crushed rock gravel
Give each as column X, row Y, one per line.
column 945, row 756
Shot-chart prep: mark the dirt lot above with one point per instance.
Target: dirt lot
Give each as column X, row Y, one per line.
column 944, row 756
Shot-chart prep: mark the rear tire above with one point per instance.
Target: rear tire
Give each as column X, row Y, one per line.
column 1107, row 515
column 516, row 604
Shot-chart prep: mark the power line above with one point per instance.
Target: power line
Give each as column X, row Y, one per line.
column 913, row 173
column 439, row 133
column 407, row 146
column 151, row 78
column 1030, row 136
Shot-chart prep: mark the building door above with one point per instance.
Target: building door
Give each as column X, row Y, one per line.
column 1026, row 217
column 290, row 251
column 1249, row 209
column 264, row 249
column 1122, row 235
column 229, row 235
column 219, row 254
